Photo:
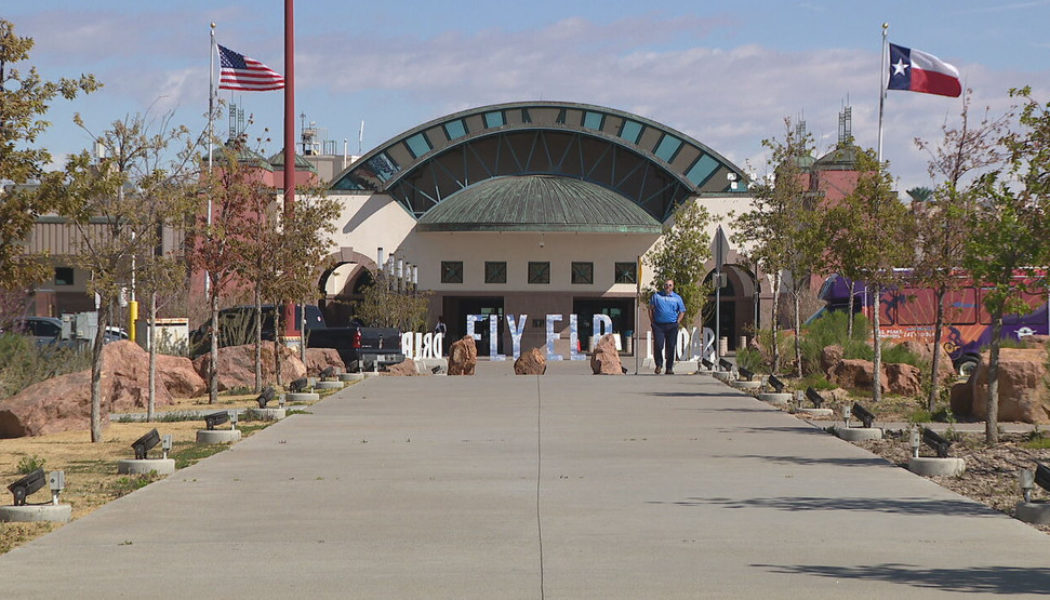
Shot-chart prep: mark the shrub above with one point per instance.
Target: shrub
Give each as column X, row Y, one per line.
column 24, row 363
column 751, row 359
column 830, row 329
column 28, row 464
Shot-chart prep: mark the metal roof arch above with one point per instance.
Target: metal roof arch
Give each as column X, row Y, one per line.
column 664, row 158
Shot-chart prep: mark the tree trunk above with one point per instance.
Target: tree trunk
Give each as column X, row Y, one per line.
column 258, row 340
column 302, row 332
column 849, row 321
column 876, row 386
column 775, row 323
column 795, row 293
column 96, row 373
column 935, row 384
column 213, row 364
column 278, row 335
column 991, row 423
column 151, row 406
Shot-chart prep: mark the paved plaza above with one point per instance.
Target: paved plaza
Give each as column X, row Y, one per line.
column 560, row 486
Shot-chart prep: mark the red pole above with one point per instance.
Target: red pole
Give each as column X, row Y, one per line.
column 291, row 324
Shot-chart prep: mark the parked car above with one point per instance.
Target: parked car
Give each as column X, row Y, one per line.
column 48, row 330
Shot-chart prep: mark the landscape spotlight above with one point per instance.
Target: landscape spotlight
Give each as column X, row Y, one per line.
column 328, row 372
column 865, row 415
column 725, row 364
column 57, row 481
column 745, row 374
column 143, row 444
column 710, row 366
column 1026, row 477
column 26, row 486
column 298, row 385
column 935, row 441
column 1042, row 476
column 267, row 394
column 215, row 419
column 776, row 384
column 814, row 396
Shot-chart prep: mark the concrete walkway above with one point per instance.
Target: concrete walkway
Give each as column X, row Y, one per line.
column 561, row 486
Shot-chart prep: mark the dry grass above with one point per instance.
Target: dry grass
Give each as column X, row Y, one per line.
column 91, row 468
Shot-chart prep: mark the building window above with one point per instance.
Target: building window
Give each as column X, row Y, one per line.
column 494, row 119
column 63, row 276
column 455, row 129
column 583, row 272
column 451, row 271
column 539, row 272
column 495, row 272
column 626, row 272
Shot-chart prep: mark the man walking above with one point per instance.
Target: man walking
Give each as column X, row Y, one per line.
column 666, row 309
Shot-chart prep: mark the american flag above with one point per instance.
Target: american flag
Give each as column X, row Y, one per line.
column 246, row 74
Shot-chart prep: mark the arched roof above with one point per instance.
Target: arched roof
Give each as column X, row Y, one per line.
column 648, row 163
column 538, row 203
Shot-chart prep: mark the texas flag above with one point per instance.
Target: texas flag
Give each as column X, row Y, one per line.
column 917, row 71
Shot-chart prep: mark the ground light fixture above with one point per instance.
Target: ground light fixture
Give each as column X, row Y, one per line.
column 846, row 415
column 328, row 372
column 776, row 384
column 233, row 420
column 915, row 442
column 266, row 396
column 213, row 420
column 165, row 444
column 143, row 445
column 27, row 486
column 56, row 480
column 865, row 415
column 935, row 441
column 298, row 385
column 1026, row 478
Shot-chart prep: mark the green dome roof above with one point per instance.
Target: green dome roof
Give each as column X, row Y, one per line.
column 538, row 203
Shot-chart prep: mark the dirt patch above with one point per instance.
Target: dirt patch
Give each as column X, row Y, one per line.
column 991, row 471
column 91, row 468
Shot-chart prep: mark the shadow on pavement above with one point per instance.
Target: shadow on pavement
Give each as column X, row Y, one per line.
column 906, row 506
column 877, row 461
column 986, row 580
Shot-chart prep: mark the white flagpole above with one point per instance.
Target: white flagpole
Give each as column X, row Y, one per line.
column 882, row 84
column 211, row 128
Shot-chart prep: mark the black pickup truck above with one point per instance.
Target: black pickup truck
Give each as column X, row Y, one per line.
column 361, row 348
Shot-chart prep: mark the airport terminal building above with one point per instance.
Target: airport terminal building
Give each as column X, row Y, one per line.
column 532, row 208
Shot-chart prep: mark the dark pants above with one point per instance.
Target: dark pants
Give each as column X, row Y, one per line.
column 665, row 338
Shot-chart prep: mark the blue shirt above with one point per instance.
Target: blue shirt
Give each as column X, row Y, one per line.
column 666, row 306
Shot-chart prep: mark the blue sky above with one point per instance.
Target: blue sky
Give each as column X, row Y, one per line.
column 725, row 73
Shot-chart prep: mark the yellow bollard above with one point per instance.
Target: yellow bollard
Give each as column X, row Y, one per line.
column 133, row 315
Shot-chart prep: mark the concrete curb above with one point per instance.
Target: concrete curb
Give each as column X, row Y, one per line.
column 57, row 513
column 135, row 466
column 218, row 436
column 856, row 434
column 936, row 467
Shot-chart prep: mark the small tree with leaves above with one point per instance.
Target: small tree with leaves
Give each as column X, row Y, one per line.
column 24, row 99
column 116, row 204
column 944, row 215
column 681, row 255
column 1008, row 232
column 777, row 226
column 870, row 232
column 212, row 246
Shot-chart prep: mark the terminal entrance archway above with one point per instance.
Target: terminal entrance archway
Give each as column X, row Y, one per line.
column 736, row 310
